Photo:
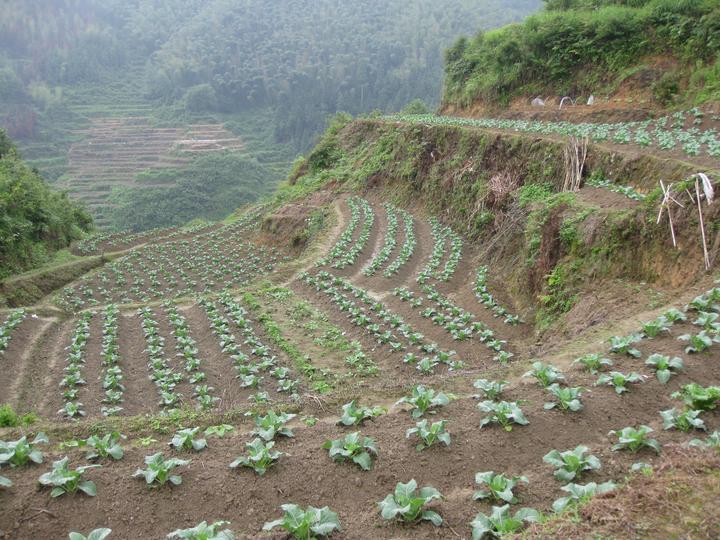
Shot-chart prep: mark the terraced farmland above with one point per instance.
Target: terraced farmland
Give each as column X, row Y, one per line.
column 390, row 328
column 112, row 151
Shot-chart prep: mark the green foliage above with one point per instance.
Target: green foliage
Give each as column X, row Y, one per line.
column 35, row 220
column 260, row 458
column 408, row 503
column 416, row 106
column 65, row 480
column 571, row 463
column 634, row 439
column 424, row 399
column 8, row 416
column 504, row 413
column 18, row 453
column 501, row 522
column 205, row 531
column 577, row 43
column 497, row 486
column 159, row 470
column 354, row 414
column 306, row 523
column 95, row 534
column 578, row 494
column 429, row 434
column 186, row 439
column 211, row 187
column 353, row 446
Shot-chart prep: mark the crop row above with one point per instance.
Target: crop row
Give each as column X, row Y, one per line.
column 386, row 327
column 488, row 300
column 408, row 247
column 666, row 133
column 112, row 381
column 345, row 252
column 16, row 317
column 73, row 378
column 161, row 372
column 441, row 236
column 390, row 242
column 456, row 321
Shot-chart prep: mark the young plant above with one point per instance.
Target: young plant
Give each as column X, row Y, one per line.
column 64, row 480
column 504, row 413
column 490, row 389
column 664, row 366
column 159, row 470
column 429, row 434
column 501, row 522
column 408, row 503
column 545, row 374
column 218, row 431
column 97, row 534
column 361, row 450
column 655, row 327
column 260, row 458
column 579, row 493
column 423, row 399
column 272, row 424
column 698, row 343
column 619, row 380
column 305, row 523
column 354, row 414
column 633, row 439
column 593, row 362
column 104, row 447
column 568, row 398
column 497, row 486
column 18, row 453
column 624, row 345
column 185, row 440
column 684, row 421
column 713, row 441
column 203, row 531
column 5, row 482
column 698, row 397
column 571, row 463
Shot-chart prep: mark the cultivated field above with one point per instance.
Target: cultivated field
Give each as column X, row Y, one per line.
column 392, row 331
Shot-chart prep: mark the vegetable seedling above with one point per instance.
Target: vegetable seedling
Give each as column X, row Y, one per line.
column 504, row 413
column 624, row 345
column 490, row 389
column 429, row 434
column 571, row 463
column 684, row 421
column 408, row 503
column 579, row 494
column 354, row 447
column 423, row 399
column 619, row 380
column 664, row 366
column 593, row 362
column 501, row 522
column 159, row 470
column 633, row 439
column 96, row 534
column 203, row 531
column 272, row 424
column 545, row 374
column 260, row 458
column 497, row 486
column 305, row 523
column 354, row 414
column 185, row 440
column 64, row 480
column 18, row 453
column 568, row 398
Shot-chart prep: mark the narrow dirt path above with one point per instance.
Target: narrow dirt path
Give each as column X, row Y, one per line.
column 140, row 394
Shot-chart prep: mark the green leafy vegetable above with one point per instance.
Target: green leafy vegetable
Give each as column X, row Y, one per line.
column 64, row 480
column 159, row 470
column 571, row 463
column 354, row 447
column 501, row 522
column 304, row 524
column 429, row 434
column 497, row 486
column 408, row 503
column 260, row 458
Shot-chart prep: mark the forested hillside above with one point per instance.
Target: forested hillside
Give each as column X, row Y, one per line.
column 665, row 51
column 35, row 220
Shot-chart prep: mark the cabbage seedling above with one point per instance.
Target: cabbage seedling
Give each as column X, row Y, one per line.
column 159, row 470
column 354, row 447
column 579, row 494
column 219, row 431
column 593, row 362
column 624, row 345
column 697, row 397
column 63, row 480
column 303, row 524
column 97, row 534
column 684, row 421
column 490, row 389
column 5, row 482
column 203, row 531
column 674, row 315
column 664, row 366
column 18, row 453
column 504, row 413
column 630, row 438
column 568, row 398
column 260, row 458
column 423, row 399
column 697, row 342
column 653, row 328
column 429, row 434
column 269, row 426
column 618, row 380
column 545, row 374
column 408, row 503
column 713, row 441
column 103, row 447
column 571, row 463
column 185, row 440
column 354, row 414
column 497, row 486
column 501, row 522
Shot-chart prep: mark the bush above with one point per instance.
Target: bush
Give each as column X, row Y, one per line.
column 201, row 98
